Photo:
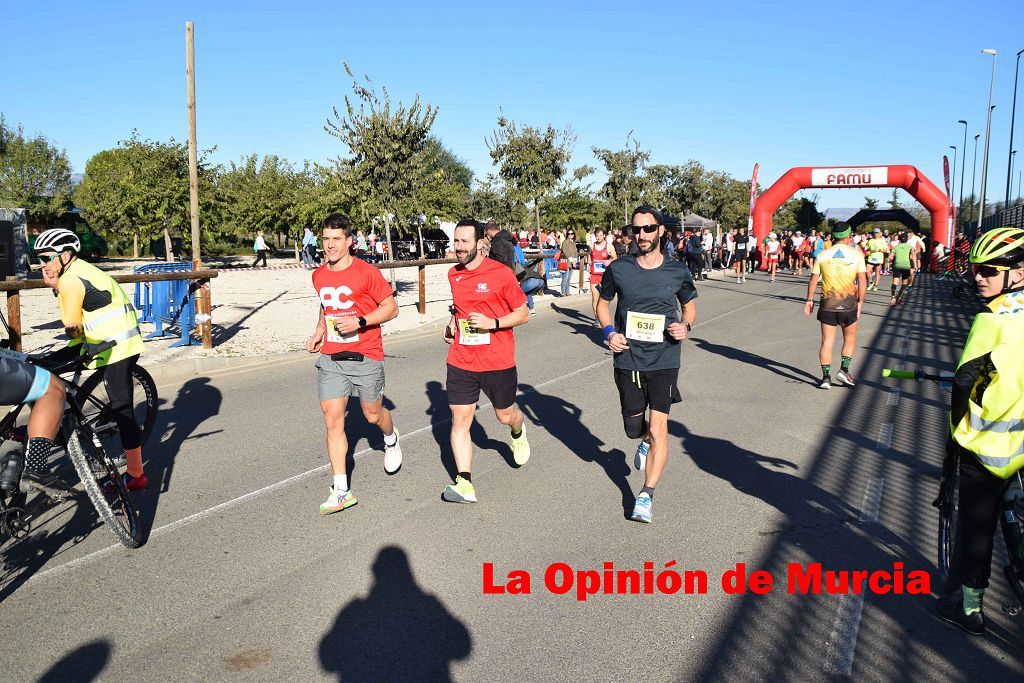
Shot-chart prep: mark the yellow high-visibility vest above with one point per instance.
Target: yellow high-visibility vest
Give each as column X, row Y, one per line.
column 116, row 321
column 993, row 427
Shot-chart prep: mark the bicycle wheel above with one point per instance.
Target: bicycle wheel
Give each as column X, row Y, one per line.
column 94, row 467
column 94, row 403
column 948, row 504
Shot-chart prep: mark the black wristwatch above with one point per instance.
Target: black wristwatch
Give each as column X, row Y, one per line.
column 688, row 326
column 362, row 322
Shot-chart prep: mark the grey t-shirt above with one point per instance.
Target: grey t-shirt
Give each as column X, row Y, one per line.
column 657, row 291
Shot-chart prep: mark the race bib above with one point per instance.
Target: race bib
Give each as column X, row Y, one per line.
column 648, row 327
column 468, row 336
column 16, row 355
column 599, row 266
column 333, row 335
column 875, row 259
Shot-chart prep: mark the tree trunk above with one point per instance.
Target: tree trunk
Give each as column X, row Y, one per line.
column 135, row 244
column 391, row 251
column 419, row 230
column 168, row 253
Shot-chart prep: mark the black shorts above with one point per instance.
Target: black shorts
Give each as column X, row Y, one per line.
column 901, row 273
column 499, row 386
column 740, row 256
column 21, row 382
column 841, row 318
column 640, row 389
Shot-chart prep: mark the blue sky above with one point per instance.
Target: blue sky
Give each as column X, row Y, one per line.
column 726, row 83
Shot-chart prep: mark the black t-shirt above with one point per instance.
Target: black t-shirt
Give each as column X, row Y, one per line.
column 741, row 242
column 657, row 291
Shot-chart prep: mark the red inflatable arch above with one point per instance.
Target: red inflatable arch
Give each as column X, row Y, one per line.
column 906, row 177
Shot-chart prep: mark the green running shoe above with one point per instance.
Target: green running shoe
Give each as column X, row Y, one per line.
column 521, row 448
column 337, row 501
column 461, row 491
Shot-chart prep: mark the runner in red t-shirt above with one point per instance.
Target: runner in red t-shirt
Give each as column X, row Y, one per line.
column 355, row 300
column 488, row 303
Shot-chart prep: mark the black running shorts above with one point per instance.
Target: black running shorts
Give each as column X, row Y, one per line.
column 841, row 318
column 654, row 389
column 499, row 386
column 901, row 273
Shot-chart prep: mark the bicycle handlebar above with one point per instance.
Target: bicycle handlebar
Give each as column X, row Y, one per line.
column 919, row 375
column 89, row 352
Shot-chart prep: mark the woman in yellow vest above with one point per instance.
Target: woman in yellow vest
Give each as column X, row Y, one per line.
column 94, row 309
column 987, row 413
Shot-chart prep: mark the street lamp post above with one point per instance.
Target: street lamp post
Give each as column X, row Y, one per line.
column 963, row 165
column 974, row 173
column 988, row 130
column 1013, row 162
column 1013, row 115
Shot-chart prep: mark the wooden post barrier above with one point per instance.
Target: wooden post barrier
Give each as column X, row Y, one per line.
column 421, row 305
column 13, row 286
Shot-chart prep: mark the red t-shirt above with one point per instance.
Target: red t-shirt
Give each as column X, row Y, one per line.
column 491, row 289
column 357, row 290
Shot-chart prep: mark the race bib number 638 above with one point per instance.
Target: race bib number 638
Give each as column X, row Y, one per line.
column 648, row 327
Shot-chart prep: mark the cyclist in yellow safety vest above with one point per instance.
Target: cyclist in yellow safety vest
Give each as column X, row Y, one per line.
column 987, row 414
column 94, row 309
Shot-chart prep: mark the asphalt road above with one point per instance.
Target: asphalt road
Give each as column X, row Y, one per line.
column 242, row 579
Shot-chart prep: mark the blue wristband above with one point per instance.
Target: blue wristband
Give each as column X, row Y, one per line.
column 608, row 330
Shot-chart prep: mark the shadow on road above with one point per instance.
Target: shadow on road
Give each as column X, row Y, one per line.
column 197, row 401
column 779, row 368
column 84, row 664
column 357, row 429
column 397, row 632
column 563, row 420
column 440, row 414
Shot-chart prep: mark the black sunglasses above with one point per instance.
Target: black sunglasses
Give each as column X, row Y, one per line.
column 989, row 271
column 648, row 228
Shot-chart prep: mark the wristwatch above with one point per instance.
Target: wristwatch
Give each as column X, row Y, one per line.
column 362, row 322
column 688, row 326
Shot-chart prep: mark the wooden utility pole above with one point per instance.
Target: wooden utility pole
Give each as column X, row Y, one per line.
column 202, row 295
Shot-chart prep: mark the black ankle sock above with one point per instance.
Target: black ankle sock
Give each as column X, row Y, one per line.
column 37, row 454
column 516, row 435
column 845, row 365
column 648, row 490
column 467, row 476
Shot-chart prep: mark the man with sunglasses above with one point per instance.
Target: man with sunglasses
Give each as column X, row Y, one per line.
column 986, row 417
column 95, row 309
column 645, row 339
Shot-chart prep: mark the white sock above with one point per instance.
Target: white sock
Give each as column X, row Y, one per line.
column 341, row 482
column 392, row 438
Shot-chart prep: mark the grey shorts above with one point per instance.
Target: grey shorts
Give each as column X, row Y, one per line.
column 340, row 378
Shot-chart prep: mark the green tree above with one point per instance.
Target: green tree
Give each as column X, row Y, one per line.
column 140, row 188
column 624, row 169
column 386, row 146
column 894, row 203
column 259, row 195
column 443, row 186
column 34, row 174
column 870, row 204
column 490, row 200
column 530, row 160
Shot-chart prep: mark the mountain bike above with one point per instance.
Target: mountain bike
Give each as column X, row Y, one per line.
column 1011, row 518
column 97, row 470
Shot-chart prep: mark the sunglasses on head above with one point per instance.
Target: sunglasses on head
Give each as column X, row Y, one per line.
column 986, row 270
column 648, row 228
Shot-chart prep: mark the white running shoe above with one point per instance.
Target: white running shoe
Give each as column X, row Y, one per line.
column 337, row 501
column 393, row 455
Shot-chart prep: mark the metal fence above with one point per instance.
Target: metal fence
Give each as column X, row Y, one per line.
column 1012, row 217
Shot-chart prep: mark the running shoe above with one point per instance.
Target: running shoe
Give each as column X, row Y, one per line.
column 640, row 459
column 737, row 280
column 844, row 377
column 337, row 501
column 393, row 455
column 521, row 448
column 131, row 483
column 744, row 278
column 461, row 491
column 953, row 613
column 642, row 509
column 533, row 312
column 892, row 301
column 825, row 384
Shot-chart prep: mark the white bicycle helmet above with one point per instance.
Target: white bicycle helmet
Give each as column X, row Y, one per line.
column 58, row 240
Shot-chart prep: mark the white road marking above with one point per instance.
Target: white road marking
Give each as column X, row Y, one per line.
column 842, row 643
column 894, row 396
column 884, row 436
